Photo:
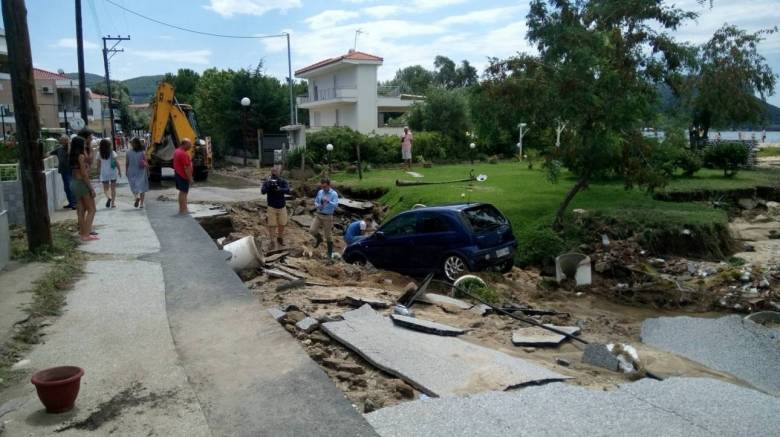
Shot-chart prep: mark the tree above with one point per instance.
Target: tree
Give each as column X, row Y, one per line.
column 185, row 84
column 602, row 60
column 466, row 74
column 730, row 74
column 120, row 99
column 444, row 111
column 413, row 80
column 449, row 76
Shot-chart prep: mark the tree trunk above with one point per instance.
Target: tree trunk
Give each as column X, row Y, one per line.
column 582, row 183
column 36, row 210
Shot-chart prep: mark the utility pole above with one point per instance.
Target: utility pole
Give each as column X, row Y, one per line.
column 28, row 127
column 80, row 55
column 293, row 117
column 106, row 58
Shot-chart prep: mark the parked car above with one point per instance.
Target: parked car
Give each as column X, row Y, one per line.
column 449, row 239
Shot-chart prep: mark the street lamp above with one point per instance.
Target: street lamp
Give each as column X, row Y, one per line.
column 472, row 146
column 245, row 102
column 329, row 148
column 523, row 131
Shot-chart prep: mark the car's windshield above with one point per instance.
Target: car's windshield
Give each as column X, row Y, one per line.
column 484, row 218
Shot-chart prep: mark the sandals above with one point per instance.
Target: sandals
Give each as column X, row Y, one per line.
column 90, row 238
column 135, row 204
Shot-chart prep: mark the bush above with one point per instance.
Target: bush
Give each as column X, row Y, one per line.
column 689, row 162
column 430, row 145
column 539, row 246
column 728, row 156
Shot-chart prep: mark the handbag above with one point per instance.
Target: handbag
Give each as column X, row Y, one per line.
column 142, row 162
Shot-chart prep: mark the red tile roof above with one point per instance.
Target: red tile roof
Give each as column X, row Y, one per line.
column 351, row 56
column 48, row 75
column 94, row 95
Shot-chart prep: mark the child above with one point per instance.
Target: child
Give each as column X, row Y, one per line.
column 109, row 172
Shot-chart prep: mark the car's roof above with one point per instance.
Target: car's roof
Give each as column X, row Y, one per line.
column 456, row 207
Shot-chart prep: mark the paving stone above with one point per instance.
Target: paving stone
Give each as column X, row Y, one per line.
column 277, row 314
column 481, row 309
column 675, row 407
column 427, row 326
column 444, row 301
column 358, row 301
column 540, row 337
column 745, row 349
column 436, row 365
column 307, row 325
column 599, row 355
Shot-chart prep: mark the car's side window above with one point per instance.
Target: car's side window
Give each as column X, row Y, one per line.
column 432, row 223
column 402, row 225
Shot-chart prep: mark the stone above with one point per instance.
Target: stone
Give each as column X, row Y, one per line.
column 319, row 337
column 747, row 203
column 437, row 365
column 402, row 388
column 308, row 324
column 304, row 220
column 295, row 316
column 426, row 326
column 331, row 363
column 445, row 302
column 540, row 337
column 277, row 314
column 529, row 350
column 600, row 356
column 358, row 301
column 563, row 362
column 481, row 309
column 351, row 368
column 601, row 267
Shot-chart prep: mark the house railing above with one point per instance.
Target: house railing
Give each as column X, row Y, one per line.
column 388, row 91
column 324, row 94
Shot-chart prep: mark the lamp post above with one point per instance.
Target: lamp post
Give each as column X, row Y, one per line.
column 472, row 146
column 521, row 127
column 245, row 102
column 329, row 148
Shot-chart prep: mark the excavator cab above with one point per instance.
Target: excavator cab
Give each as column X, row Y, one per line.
column 171, row 123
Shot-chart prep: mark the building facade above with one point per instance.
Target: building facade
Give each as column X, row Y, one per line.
column 343, row 91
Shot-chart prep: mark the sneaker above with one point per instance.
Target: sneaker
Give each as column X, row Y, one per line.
column 280, row 241
column 108, row 203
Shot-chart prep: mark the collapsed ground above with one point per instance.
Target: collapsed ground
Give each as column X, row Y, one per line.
column 631, row 284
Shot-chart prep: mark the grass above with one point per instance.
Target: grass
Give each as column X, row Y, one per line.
column 49, row 292
column 768, row 151
column 530, row 201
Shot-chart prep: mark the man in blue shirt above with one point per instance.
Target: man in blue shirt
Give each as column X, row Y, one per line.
column 275, row 188
column 326, row 202
column 356, row 229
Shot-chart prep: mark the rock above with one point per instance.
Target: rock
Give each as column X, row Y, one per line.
column 747, row 247
column 563, row 362
column 745, row 277
column 402, row 388
column 277, row 314
column 481, row 309
column 307, row 325
column 598, row 355
column 761, row 218
column 601, row 267
column 353, row 368
column 369, row 406
column 319, row 337
column 540, row 337
column 529, row 350
column 295, row 316
column 747, row 203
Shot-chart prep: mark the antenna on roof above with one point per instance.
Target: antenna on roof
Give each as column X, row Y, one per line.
column 357, row 32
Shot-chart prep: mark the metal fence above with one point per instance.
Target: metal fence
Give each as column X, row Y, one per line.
column 9, row 172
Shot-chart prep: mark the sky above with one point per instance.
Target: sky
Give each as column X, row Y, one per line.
column 403, row 32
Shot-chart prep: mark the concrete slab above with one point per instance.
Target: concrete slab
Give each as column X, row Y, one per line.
column 109, row 310
column 16, row 280
column 599, row 355
column 307, row 325
column 540, row 337
column 746, row 350
column 674, row 407
column 438, row 366
column 426, row 326
column 444, row 301
column 303, row 220
column 124, row 231
column 251, row 377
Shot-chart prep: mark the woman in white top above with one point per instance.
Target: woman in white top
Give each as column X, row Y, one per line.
column 109, row 172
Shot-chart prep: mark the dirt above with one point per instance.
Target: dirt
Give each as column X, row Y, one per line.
column 126, row 399
column 634, row 286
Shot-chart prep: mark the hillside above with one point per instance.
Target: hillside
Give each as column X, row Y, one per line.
column 141, row 88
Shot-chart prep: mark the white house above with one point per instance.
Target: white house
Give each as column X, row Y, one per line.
column 343, row 91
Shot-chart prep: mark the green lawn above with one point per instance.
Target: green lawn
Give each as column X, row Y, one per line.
column 528, row 199
column 769, row 151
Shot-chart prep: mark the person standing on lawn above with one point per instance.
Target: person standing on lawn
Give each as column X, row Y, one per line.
column 137, row 171
column 82, row 188
column 275, row 189
column 406, row 147
column 325, row 202
column 63, row 168
column 182, row 168
column 356, row 229
column 109, row 171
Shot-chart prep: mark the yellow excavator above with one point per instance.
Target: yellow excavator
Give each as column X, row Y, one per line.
column 171, row 123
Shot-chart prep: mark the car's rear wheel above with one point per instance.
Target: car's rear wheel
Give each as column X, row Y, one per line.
column 357, row 258
column 454, row 266
column 506, row 266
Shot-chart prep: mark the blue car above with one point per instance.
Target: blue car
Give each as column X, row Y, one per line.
column 449, row 239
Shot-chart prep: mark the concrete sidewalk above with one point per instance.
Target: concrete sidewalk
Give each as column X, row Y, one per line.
column 173, row 344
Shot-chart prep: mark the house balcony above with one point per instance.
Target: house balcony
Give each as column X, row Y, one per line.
column 327, row 96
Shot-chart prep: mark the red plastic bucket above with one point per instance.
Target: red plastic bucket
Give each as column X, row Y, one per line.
column 58, row 387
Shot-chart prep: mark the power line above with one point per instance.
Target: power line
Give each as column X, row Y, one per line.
column 218, row 35
column 95, row 18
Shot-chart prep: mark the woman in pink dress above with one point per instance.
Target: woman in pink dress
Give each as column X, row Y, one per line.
column 406, row 147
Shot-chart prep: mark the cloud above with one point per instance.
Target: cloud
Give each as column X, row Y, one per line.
column 228, row 8
column 70, row 43
column 485, row 16
column 428, row 5
column 182, row 56
column 330, row 18
column 383, row 11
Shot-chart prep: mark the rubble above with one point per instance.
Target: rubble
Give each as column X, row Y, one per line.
column 426, row 326
column 277, row 314
column 540, row 337
column 614, row 357
column 307, row 325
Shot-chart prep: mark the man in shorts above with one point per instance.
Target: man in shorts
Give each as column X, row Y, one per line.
column 182, row 169
column 275, row 189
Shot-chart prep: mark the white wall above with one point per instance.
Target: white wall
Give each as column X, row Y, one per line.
column 367, row 99
column 327, row 116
